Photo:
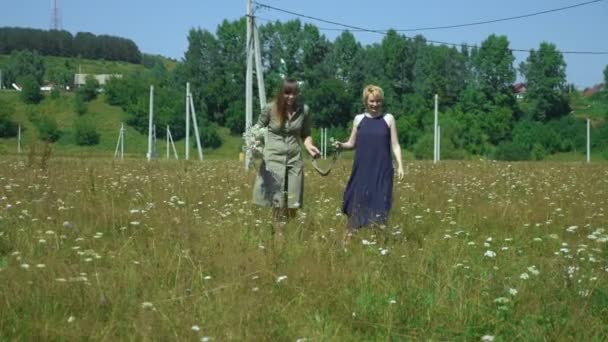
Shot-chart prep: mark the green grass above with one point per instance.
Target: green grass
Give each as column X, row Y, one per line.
column 89, row 66
column 108, row 119
column 94, row 249
column 594, row 107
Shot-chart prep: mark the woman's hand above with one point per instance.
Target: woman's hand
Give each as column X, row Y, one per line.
column 338, row 145
column 400, row 173
column 312, row 150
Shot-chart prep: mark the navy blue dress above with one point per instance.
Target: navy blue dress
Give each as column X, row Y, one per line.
column 369, row 192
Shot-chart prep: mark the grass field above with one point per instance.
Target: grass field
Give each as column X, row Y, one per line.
column 93, row 249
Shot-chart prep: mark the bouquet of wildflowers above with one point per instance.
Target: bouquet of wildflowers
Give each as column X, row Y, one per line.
column 254, row 140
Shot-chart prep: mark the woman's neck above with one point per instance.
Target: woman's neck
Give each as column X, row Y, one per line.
column 372, row 114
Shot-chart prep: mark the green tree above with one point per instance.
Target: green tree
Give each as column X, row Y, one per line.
column 545, row 73
column 399, row 58
column 47, row 128
column 88, row 92
column 493, row 70
column 80, row 107
column 85, row 132
column 30, row 92
column 440, row 70
column 8, row 127
column 330, row 104
column 25, row 63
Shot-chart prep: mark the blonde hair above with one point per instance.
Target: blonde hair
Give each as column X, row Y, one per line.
column 372, row 90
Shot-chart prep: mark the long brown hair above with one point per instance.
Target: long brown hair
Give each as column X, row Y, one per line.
column 289, row 86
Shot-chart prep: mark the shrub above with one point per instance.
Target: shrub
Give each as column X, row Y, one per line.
column 47, row 128
column 85, row 132
column 508, row 150
column 8, row 128
column 209, row 135
column 30, row 92
column 88, row 91
column 55, row 93
column 80, row 107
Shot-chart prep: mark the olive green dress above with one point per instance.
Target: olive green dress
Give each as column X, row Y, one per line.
column 280, row 179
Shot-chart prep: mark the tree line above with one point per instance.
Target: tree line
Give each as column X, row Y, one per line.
column 479, row 113
column 64, row 44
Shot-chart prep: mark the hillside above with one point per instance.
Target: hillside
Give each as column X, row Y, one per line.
column 88, row 66
column 107, row 119
column 594, row 107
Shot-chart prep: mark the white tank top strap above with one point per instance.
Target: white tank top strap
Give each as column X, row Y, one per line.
column 386, row 117
column 358, row 119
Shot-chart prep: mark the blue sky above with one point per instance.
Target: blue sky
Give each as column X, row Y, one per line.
column 161, row 27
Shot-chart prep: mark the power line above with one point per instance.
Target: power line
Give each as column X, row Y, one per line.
column 500, row 19
column 384, row 32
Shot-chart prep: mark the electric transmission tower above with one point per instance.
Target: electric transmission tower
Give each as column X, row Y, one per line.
column 55, row 16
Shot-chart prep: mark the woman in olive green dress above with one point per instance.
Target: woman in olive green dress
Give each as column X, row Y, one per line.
column 280, row 180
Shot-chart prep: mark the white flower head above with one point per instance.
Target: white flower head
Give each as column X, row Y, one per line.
column 255, row 139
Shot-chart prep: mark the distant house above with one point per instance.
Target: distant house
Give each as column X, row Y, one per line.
column 592, row 90
column 519, row 89
column 80, row 79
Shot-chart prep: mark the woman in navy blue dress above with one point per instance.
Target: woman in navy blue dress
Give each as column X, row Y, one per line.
column 369, row 193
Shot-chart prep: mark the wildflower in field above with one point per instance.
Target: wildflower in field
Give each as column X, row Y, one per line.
column 281, row 278
column 207, row 277
column 571, row 229
column 489, row 254
column 71, row 319
column 392, row 301
column 383, row 251
column 196, row 328
column 502, row 300
column 40, row 265
column 512, row 291
column 524, row 276
column 134, row 223
column 205, row 339
column 25, row 266
column 532, row 269
column 147, row 305
column 487, row 338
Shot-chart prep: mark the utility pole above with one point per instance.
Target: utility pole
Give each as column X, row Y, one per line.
column 588, row 140
column 150, row 123
column 436, row 132
column 252, row 50
column 187, row 152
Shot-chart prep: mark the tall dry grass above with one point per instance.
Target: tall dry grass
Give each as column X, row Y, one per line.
column 102, row 250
